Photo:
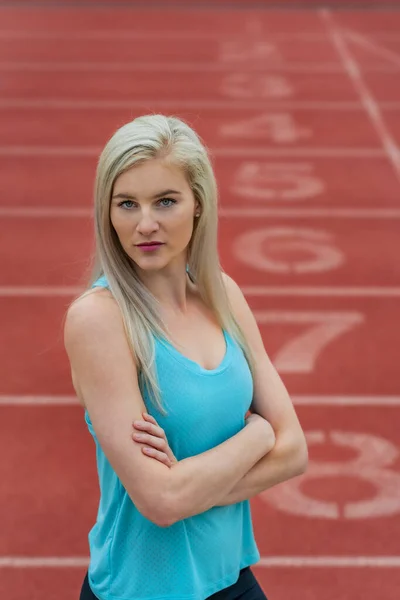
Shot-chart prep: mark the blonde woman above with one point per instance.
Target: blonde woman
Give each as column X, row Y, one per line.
column 167, row 359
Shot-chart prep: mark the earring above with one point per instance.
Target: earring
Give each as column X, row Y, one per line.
column 197, row 215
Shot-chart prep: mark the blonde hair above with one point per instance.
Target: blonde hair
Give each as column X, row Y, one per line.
column 146, row 138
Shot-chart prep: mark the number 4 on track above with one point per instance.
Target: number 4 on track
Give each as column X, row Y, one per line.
column 278, row 127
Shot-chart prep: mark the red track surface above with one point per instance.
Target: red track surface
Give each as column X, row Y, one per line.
column 301, row 111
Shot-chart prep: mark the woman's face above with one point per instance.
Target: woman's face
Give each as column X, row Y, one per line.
column 153, row 202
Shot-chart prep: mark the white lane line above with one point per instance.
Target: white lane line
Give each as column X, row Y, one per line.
column 54, row 151
column 225, row 104
column 131, row 68
column 346, row 400
column 380, row 36
column 39, row 291
column 44, row 562
column 364, row 41
column 321, row 291
column 126, row 34
column 380, row 69
column 38, row 401
column 372, row 109
column 94, row 151
column 269, row 291
column 50, row 212
column 388, row 105
column 171, row 67
column 385, row 562
column 298, row 400
column 306, row 213
column 330, row 561
column 44, row 212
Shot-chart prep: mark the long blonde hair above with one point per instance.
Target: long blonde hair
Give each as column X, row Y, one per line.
column 146, row 138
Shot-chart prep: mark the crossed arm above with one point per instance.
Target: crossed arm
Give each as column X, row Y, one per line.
column 288, row 457
column 271, row 401
column 240, row 467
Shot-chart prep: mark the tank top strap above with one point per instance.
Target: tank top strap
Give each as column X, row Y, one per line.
column 101, row 282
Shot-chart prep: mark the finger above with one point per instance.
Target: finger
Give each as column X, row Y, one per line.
column 142, row 425
column 160, row 456
column 171, row 456
column 155, row 442
column 149, row 418
column 152, row 429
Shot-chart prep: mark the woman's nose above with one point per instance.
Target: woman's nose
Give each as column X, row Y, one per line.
column 147, row 223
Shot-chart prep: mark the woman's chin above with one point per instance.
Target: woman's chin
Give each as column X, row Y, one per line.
column 150, row 264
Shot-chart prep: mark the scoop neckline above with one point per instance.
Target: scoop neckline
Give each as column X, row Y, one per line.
column 177, row 354
column 192, row 364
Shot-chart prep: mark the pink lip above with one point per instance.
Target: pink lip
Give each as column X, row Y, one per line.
column 147, row 247
column 150, row 244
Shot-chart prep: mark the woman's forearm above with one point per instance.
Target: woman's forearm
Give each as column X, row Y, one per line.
column 287, row 459
column 200, row 482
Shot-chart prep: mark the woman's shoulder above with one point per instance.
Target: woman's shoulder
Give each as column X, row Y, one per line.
column 233, row 290
column 93, row 327
column 99, row 289
column 240, row 308
column 91, row 312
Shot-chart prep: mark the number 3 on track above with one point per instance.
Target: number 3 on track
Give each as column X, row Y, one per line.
column 374, row 457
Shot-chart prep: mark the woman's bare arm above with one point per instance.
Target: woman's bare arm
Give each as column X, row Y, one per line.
column 103, row 366
column 288, row 458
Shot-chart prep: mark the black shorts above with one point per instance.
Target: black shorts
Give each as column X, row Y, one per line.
column 246, row 588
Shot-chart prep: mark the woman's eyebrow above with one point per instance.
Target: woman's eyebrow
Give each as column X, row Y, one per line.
column 165, row 193
column 159, row 195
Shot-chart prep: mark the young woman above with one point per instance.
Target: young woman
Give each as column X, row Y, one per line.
column 167, row 359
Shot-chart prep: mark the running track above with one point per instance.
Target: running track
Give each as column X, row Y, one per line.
column 301, row 111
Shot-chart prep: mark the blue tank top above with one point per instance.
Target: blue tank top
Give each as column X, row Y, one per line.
column 131, row 558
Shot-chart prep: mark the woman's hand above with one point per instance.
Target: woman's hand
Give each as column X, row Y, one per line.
column 268, row 434
column 154, row 440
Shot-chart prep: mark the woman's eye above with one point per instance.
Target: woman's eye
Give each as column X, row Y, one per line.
column 125, row 203
column 167, row 201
